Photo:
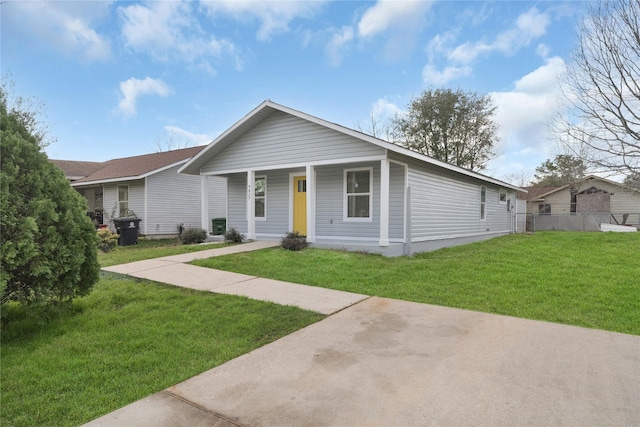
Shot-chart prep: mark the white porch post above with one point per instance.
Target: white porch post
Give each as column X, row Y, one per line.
column 204, row 202
column 384, row 202
column 311, row 203
column 251, row 205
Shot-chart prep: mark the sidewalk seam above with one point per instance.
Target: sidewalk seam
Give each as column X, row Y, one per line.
column 202, row 408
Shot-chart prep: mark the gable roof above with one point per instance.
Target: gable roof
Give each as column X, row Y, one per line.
column 535, row 192
column 74, row 170
column 136, row 167
column 586, row 178
column 264, row 110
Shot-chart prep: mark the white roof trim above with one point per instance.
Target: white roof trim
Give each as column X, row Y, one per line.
column 342, row 129
column 128, row 178
column 587, row 178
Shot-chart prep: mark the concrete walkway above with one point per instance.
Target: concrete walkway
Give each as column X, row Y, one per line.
column 173, row 271
column 398, row 363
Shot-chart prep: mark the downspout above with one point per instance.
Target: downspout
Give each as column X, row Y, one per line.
column 146, row 216
column 407, row 222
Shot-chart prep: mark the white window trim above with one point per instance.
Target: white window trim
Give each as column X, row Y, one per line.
column 483, row 203
column 260, row 218
column 119, row 201
column 506, row 196
column 345, row 199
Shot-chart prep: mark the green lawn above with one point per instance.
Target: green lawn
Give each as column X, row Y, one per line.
column 584, row 279
column 152, row 248
column 124, row 341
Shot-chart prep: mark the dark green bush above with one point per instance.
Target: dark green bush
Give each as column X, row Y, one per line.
column 294, row 241
column 49, row 245
column 233, row 235
column 193, row 235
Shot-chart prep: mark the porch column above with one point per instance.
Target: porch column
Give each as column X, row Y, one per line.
column 251, row 205
column 204, row 202
column 384, row 202
column 311, row 203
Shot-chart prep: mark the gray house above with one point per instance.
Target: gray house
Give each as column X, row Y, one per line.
column 288, row 170
column 149, row 186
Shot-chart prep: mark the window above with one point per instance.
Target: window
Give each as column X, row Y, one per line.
column 483, row 202
column 503, row 196
column 123, row 200
column 544, row 209
column 261, row 197
column 357, row 194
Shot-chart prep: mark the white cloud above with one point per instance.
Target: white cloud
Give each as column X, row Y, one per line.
column 528, row 27
column 543, row 50
column 133, row 88
column 169, row 30
column 391, row 13
column 275, row 16
column 62, row 26
column 384, row 111
column 523, row 113
column 432, row 77
column 197, row 139
column 338, row 45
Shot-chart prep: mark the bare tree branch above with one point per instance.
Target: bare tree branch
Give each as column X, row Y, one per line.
column 602, row 87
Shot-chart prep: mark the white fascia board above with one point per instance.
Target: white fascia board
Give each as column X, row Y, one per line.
column 127, row 178
column 301, row 166
column 392, row 147
column 195, row 161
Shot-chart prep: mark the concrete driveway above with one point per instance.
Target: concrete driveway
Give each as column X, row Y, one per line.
column 385, row 362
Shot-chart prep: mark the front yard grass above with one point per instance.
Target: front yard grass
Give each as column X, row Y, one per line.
column 583, row 279
column 152, row 248
column 127, row 339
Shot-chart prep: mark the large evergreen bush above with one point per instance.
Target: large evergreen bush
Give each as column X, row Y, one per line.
column 49, row 248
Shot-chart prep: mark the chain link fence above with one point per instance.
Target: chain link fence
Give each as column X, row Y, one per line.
column 575, row 222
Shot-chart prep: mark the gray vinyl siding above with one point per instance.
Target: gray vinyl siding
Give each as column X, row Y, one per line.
column 330, row 204
column 172, row 198
column 237, row 202
column 136, row 199
column 283, row 139
column 396, row 201
column 277, row 204
column 444, row 204
column 217, row 197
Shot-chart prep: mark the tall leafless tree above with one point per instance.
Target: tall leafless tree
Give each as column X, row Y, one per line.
column 602, row 87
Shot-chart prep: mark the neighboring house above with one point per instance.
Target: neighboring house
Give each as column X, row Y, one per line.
column 288, row 170
column 584, row 205
column 150, row 187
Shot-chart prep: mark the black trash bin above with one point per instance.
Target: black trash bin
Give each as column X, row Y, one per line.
column 127, row 229
column 218, row 226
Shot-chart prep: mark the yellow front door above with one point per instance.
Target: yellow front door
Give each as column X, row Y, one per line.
column 300, row 204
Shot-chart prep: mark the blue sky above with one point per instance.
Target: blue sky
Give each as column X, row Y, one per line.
column 119, row 78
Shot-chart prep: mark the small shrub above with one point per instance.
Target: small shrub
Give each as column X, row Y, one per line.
column 107, row 240
column 294, row 241
column 193, row 235
column 233, row 235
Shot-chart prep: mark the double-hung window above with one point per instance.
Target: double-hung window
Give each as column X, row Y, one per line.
column 503, row 196
column 123, row 200
column 483, row 202
column 260, row 196
column 358, row 194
